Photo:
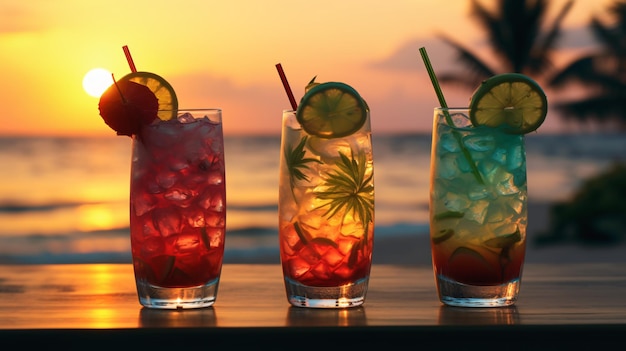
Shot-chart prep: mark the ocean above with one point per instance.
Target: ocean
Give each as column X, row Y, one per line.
column 65, row 200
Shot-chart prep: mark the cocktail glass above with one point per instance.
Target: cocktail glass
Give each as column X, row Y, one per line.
column 326, row 215
column 178, row 210
column 478, row 211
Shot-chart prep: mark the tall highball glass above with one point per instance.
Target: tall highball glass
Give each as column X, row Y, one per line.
column 178, row 210
column 326, row 215
column 478, row 211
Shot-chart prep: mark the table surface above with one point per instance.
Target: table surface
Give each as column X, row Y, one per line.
column 576, row 299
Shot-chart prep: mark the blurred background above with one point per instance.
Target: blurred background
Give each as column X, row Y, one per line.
column 64, row 178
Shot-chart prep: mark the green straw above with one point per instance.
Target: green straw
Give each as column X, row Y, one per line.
column 433, row 79
column 444, row 106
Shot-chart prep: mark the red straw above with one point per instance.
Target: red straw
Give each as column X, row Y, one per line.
column 283, row 78
column 129, row 59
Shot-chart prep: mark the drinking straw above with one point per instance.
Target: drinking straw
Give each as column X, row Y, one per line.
column 283, row 78
column 433, row 79
column 129, row 58
column 444, row 106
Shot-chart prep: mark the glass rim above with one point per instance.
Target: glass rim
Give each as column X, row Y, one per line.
column 215, row 109
column 451, row 108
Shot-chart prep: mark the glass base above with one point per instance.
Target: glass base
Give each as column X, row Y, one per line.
column 453, row 293
column 152, row 296
column 344, row 296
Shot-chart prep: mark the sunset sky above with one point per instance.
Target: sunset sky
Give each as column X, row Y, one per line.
column 223, row 54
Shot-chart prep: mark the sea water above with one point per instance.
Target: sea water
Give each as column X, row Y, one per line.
column 65, row 199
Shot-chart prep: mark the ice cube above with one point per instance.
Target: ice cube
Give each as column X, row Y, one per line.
column 215, row 177
column 328, row 149
column 178, row 165
column 215, row 220
column 506, row 185
column 517, row 204
column 447, row 168
column 211, row 200
column 179, row 196
column 456, row 202
column 477, row 192
column 480, row 142
column 489, row 169
column 449, row 143
column 187, row 242
column 515, row 157
column 152, row 246
column 344, row 271
column 166, row 179
column 167, row 220
column 499, row 155
column 503, row 228
column 463, row 163
column 519, row 178
column 321, row 271
column 477, row 211
column 176, row 195
column 313, row 220
column 195, row 218
column 298, row 267
column 186, row 118
column 215, row 236
column 497, row 213
column 502, row 210
column 143, row 203
column 460, row 120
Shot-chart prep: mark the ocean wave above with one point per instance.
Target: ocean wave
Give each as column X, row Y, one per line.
column 10, row 207
column 13, row 207
column 252, row 208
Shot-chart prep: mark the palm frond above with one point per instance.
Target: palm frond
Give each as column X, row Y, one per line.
column 349, row 190
column 297, row 163
column 601, row 108
column 514, row 32
column 477, row 69
column 609, row 38
column 539, row 60
column 581, row 70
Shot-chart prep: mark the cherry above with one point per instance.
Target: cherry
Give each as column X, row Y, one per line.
column 125, row 106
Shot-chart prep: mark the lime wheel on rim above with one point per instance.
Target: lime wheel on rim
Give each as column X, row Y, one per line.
column 331, row 110
column 511, row 101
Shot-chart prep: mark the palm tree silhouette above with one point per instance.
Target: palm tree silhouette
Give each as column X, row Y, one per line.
column 514, row 33
column 601, row 73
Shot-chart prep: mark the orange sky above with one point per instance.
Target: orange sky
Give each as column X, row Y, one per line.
column 223, row 54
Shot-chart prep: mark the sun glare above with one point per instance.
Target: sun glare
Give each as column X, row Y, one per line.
column 96, row 81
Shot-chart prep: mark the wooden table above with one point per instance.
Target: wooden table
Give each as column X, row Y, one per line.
column 96, row 304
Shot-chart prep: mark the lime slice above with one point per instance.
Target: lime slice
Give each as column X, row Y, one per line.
column 331, row 110
column 442, row 235
column 511, row 101
column 168, row 103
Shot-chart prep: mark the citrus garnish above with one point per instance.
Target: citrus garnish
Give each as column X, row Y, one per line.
column 331, row 110
column 168, row 103
column 442, row 235
column 511, row 101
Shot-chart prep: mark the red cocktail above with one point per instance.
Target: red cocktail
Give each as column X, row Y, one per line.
column 178, row 208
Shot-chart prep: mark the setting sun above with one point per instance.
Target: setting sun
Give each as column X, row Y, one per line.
column 96, row 81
